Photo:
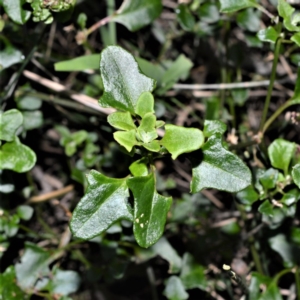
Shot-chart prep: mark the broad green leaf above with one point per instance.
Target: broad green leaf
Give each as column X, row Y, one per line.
column 280, row 154
column 249, row 19
column 257, row 280
column 296, row 38
column 212, row 127
column 145, row 104
column 286, row 11
column 79, row 137
column 151, row 70
column 269, row 178
column 220, row 169
column 178, row 70
column 9, row 290
column 126, row 139
column 192, row 274
column 150, row 210
column 64, row 282
column 287, row 251
column 153, row 146
column 167, row 252
column 248, row 195
column 295, row 235
column 296, row 174
column 174, row 289
column 268, row 35
column 291, row 197
column 9, row 56
column 122, row 79
column 15, row 11
column 25, row 212
column 34, row 264
column 266, row 208
column 146, row 131
column 209, row 13
column 32, row 119
column 16, row 156
column 272, row 292
column 178, row 139
column 121, row 120
column 104, row 203
column 137, row 14
column 28, row 102
column 185, row 17
column 139, row 167
column 230, row 6
column 10, row 121
column 81, row 63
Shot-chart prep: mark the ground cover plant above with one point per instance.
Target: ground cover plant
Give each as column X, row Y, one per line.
column 150, row 149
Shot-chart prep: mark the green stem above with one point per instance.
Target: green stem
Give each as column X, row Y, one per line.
column 281, row 273
column 297, row 278
column 111, row 25
column 270, row 89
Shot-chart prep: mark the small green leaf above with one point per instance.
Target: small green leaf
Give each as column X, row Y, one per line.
column 9, row 56
column 28, row 102
column 79, row 137
column 167, row 252
column 286, row 250
column 272, row 292
column 139, row 167
column 159, row 123
column 15, row 11
column 152, row 70
column 146, row 131
column 16, row 156
column 145, row 104
column 296, row 175
column 249, row 19
column 268, row 35
column 122, row 80
column 212, row 127
column 9, row 290
column 248, row 195
column 291, row 197
column 104, row 203
column 137, row 14
column 296, row 38
column 209, row 13
column 153, row 146
column 281, row 153
column 266, row 208
column 230, row 6
column 10, row 121
column 174, row 289
column 220, row 169
column 32, row 119
column 150, row 210
column 255, row 285
column 286, row 11
column 192, row 274
column 81, row 63
column 240, row 96
column 269, row 179
column 185, row 18
column 25, row 212
column 34, row 264
column 126, row 139
column 121, row 120
column 178, row 139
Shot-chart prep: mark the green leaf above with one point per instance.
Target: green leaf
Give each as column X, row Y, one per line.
column 178, row 70
column 192, row 274
column 178, row 139
column 28, row 102
column 296, row 38
column 286, row 11
column 256, row 281
column 122, row 80
column 25, row 212
column 152, row 70
column 34, row 264
column 240, row 96
column 79, row 137
column 32, row 119
column 212, row 127
column 230, row 6
column 286, row 250
column 268, row 35
column 16, row 156
column 10, row 121
column 146, row 131
column 272, row 292
column 150, row 210
column 220, row 169
column 15, row 11
column 153, row 146
column 248, row 195
column 266, row 208
column 269, row 179
column 174, row 289
column 121, row 120
column 296, row 175
column 249, row 19
column 280, row 154
column 9, row 290
column 139, row 167
column 145, row 104
column 104, row 203
column 167, row 252
column 126, row 139
column 64, row 282
column 11, row 226
column 9, row 56
column 81, row 63
column 209, row 13
column 137, row 14
column 185, row 18
column 291, row 197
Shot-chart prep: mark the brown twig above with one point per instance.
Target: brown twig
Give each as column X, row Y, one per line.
column 51, row 195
